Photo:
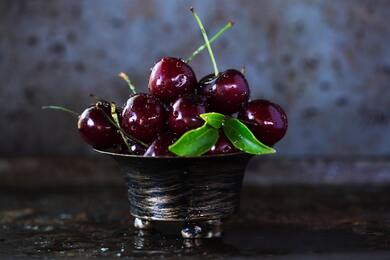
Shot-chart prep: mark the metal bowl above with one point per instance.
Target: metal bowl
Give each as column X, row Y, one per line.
column 182, row 189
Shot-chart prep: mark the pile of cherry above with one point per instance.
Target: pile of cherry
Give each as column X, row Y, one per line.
column 151, row 123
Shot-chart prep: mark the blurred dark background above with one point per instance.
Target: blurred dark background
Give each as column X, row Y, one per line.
column 326, row 62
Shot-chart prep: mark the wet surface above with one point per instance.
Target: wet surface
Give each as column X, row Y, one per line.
column 276, row 221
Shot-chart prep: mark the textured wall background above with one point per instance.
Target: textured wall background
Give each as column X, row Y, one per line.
column 326, row 62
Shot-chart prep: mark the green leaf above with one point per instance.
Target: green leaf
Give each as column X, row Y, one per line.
column 195, row 142
column 213, row 119
column 243, row 139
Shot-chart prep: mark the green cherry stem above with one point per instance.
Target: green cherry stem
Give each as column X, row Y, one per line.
column 117, row 126
column 64, row 109
column 213, row 39
column 206, row 39
column 127, row 79
column 243, row 70
column 114, row 115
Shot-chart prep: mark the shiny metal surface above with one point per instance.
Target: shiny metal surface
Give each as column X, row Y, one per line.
column 183, row 189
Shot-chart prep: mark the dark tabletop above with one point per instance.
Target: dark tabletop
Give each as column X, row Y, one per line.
column 79, row 208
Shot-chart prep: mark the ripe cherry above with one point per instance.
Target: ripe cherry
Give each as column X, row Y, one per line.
column 223, row 146
column 133, row 148
column 159, row 146
column 143, row 117
column 96, row 129
column 266, row 120
column 171, row 78
column 227, row 93
column 184, row 113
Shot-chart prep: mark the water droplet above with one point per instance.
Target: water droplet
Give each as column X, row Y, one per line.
column 48, row 228
column 191, row 232
column 175, row 113
column 65, row 216
column 178, row 64
column 180, row 80
column 31, row 227
column 104, row 249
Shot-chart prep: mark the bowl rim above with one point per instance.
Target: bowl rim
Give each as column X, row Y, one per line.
column 171, row 157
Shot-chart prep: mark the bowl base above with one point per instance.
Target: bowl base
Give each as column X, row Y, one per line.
column 206, row 229
column 142, row 224
column 192, row 230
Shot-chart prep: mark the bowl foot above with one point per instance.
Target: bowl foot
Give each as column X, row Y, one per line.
column 142, row 224
column 207, row 229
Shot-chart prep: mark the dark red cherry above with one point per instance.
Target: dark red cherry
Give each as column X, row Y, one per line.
column 96, row 129
column 133, row 148
column 137, row 149
column 143, row 117
column 227, row 93
column 184, row 113
column 266, row 120
column 160, row 145
column 171, row 78
column 222, row 146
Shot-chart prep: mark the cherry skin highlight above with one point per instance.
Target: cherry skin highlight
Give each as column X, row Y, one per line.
column 171, row 78
column 223, row 146
column 143, row 117
column 159, row 146
column 227, row 93
column 185, row 113
column 96, row 129
column 133, row 148
column 266, row 120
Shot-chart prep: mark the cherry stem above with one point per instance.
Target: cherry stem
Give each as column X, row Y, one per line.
column 64, row 109
column 206, row 39
column 243, row 70
column 117, row 126
column 114, row 115
column 127, row 79
column 213, row 39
